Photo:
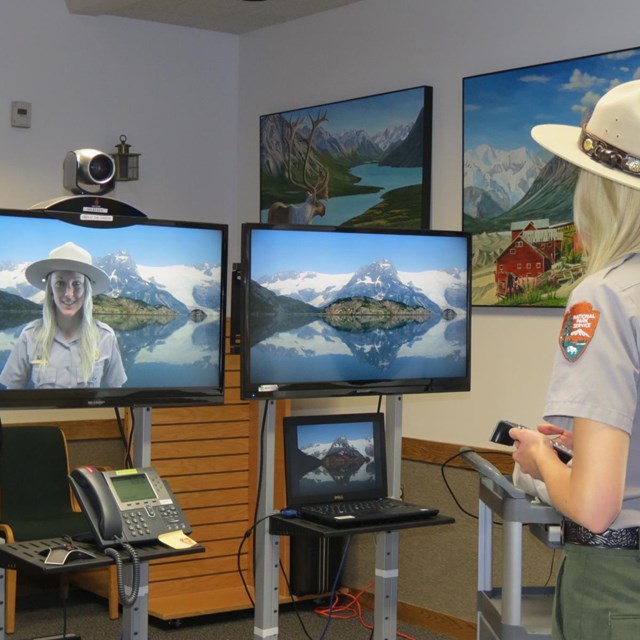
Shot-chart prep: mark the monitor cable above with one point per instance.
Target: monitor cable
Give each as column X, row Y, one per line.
column 127, row 443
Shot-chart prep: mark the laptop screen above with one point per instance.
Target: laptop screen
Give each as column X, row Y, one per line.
column 334, row 458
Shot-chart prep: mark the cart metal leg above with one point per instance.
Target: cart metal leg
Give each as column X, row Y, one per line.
column 267, row 546
column 2, row 594
column 386, row 584
column 512, row 573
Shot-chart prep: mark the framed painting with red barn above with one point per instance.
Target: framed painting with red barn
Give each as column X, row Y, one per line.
column 517, row 197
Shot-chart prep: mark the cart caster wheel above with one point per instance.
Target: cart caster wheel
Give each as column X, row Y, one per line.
column 175, row 623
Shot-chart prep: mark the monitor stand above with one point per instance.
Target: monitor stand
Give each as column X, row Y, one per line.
column 266, row 572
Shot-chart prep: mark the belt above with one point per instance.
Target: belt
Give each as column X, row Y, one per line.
column 610, row 539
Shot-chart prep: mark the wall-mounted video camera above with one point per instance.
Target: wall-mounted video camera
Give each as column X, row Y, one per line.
column 89, row 171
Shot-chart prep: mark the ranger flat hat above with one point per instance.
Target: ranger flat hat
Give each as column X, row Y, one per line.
column 608, row 144
column 68, row 257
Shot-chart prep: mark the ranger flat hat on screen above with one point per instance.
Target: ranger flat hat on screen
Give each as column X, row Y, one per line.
column 68, row 257
column 608, row 144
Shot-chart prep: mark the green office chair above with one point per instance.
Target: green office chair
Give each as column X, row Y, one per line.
column 35, row 497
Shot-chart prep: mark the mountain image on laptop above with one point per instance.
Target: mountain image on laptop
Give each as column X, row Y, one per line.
column 335, row 470
column 340, row 463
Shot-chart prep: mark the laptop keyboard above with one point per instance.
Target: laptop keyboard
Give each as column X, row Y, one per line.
column 354, row 506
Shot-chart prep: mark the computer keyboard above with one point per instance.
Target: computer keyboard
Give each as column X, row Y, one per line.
column 355, row 506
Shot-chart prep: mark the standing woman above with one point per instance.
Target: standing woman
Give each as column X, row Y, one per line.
column 593, row 399
column 67, row 348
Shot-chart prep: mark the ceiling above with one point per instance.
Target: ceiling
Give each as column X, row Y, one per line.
column 229, row 16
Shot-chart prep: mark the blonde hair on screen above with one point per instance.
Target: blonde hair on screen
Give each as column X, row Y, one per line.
column 88, row 330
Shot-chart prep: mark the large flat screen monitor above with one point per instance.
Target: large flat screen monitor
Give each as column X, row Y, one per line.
column 347, row 311
column 110, row 310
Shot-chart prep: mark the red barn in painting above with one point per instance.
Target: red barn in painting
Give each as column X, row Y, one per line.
column 534, row 248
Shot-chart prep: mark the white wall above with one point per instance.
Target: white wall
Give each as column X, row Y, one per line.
column 173, row 91
column 376, row 45
column 190, row 100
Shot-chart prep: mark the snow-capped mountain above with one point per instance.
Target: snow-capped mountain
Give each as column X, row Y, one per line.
column 445, row 288
column 350, row 146
column 359, row 142
column 364, row 446
column 181, row 288
column 307, row 286
column 12, row 281
column 379, row 280
column 495, row 179
column 391, row 136
column 340, row 463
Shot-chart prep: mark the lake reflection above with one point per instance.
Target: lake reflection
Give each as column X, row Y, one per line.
column 316, row 351
column 157, row 350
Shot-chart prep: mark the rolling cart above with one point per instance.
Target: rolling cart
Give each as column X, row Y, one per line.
column 510, row 612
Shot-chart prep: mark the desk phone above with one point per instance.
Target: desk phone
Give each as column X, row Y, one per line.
column 127, row 505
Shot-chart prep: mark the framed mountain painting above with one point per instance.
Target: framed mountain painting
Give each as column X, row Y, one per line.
column 359, row 162
column 517, row 197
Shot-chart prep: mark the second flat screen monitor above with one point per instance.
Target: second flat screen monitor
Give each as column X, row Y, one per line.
column 345, row 311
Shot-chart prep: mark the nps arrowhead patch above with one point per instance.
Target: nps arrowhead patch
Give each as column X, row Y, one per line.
column 578, row 327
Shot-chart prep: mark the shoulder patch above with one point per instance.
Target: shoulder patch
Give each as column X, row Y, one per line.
column 578, row 327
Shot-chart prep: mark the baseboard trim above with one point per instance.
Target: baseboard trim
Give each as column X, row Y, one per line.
column 441, row 452
column 428, row 619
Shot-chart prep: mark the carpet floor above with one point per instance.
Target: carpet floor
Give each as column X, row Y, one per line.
column 41, row 615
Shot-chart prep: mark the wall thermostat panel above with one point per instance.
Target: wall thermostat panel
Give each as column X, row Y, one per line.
column 21, row 114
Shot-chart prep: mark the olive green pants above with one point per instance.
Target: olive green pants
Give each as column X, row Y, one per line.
column 597, row 595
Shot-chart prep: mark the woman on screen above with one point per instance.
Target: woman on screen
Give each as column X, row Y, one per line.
column 66, row 348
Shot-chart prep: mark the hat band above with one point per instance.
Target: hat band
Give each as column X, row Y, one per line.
column 607, row 154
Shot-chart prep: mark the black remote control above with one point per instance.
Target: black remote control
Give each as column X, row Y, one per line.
column 500, row 435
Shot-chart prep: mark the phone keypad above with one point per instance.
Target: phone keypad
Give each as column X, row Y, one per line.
column 136, row 524
column 140, row 524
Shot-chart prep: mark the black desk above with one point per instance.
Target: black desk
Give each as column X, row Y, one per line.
column 281, row 526
column 386, row 572
column 27, row 556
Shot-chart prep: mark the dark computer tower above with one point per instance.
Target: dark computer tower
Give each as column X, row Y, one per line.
column 314, row 564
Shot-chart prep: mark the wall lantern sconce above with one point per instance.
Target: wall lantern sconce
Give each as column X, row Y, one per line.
column 127, row 163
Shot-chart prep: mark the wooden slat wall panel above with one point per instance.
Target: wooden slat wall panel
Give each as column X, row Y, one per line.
column 202, row 567
column 201, row 431
column 193, row 500
column 199, row 448
column 163, row 591
column 222, row 548
column 205, row 481
column 209, row 457
column 172, row 468
column 195, row 415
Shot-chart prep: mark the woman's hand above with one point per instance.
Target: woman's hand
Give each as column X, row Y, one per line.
column 563, row 436
column 531, row 447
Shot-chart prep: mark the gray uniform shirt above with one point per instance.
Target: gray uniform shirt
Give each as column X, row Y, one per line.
column 596, row 372
column 63, row 369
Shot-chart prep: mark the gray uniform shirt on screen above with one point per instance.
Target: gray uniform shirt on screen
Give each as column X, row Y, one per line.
column 63, row 369
column 602, row 384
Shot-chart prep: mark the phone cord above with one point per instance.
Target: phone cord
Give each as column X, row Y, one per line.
column 126, row 600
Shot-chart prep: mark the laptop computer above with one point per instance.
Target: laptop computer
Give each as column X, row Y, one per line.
column 336, row 471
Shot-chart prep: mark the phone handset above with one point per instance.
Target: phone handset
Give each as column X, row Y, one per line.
column 97, row 501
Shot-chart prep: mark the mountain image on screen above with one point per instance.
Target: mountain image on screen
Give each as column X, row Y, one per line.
column 339, row 463
column 162, row 314
column 375, row 315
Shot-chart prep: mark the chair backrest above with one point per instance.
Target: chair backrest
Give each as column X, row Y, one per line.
column 34, row 489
